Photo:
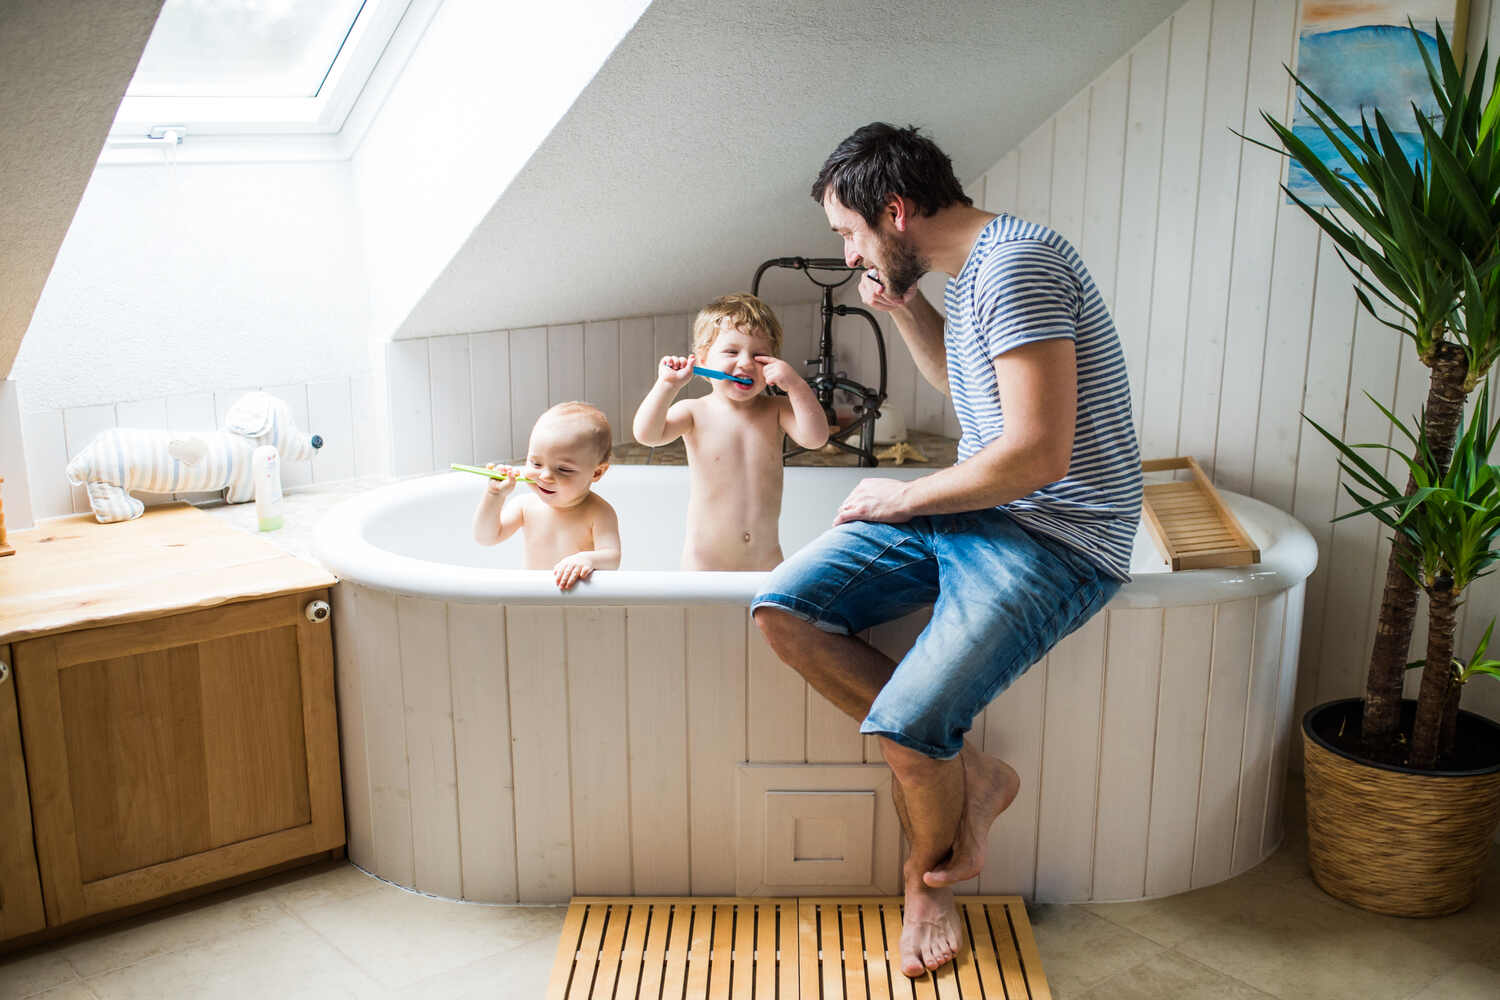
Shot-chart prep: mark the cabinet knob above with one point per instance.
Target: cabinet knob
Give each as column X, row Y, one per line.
column 4, row 671
column 317, row 611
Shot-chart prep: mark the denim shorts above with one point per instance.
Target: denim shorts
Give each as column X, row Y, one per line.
column 1001, row 597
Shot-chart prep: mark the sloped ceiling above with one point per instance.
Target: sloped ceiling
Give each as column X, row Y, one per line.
column 63, row 69
column 687, row 159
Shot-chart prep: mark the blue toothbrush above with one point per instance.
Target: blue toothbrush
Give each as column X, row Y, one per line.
column 715, row 373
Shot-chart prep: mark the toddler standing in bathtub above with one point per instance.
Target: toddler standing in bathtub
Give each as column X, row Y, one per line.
column 568, row 528
column 733, row 435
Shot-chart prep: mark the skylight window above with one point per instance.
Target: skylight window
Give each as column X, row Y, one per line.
column 243, row 48
column 242, row 70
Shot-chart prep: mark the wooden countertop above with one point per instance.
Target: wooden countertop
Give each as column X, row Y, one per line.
column 74, row 571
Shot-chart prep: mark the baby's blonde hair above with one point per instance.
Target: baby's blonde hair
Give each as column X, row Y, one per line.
column 738, row 311
column 596, row 429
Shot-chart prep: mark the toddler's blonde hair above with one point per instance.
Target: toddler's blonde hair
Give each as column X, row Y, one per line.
column 596, row 430
column 738, row 311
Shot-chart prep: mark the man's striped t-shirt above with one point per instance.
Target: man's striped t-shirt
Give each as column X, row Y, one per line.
column 1024, row 283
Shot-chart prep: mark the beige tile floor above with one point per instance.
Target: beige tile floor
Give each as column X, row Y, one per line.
column 334, row 932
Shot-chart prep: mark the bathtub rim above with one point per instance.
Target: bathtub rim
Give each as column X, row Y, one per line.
column 340, row 545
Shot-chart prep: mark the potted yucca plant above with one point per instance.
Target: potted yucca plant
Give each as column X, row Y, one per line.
column 1414, row 839
column 1420, row 239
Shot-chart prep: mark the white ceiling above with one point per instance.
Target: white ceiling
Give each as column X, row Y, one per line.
column 688, row 158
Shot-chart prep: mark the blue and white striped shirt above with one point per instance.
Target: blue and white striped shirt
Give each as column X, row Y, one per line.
column 1023, row 283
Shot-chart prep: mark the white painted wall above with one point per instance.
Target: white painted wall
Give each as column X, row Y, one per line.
column 687, row 159
column 1233, row 313
column 481, row 91
column 177, row 289
column 187, row 278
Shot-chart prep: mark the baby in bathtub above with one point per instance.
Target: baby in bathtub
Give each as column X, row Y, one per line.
column 568, row 528
column 733, row 435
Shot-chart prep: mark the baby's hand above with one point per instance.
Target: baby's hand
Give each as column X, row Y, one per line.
column 500, row 487
column 675, row 371
column 777, row 372
column 570, row 570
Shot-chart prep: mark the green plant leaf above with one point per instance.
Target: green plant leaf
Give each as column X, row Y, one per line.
column 1452, row 173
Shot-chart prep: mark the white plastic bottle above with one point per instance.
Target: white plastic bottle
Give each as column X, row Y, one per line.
column 265, row 464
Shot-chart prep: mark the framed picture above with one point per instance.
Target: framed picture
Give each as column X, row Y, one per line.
column 1359, row 56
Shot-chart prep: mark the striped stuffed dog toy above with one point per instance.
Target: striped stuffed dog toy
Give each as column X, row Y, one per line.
column 120, row 460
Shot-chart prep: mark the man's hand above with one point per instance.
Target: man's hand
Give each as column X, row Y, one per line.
column 881, row 500
column 501, row 487
column 874, row 295
column 675, row 371
column 568, row 571
column 777, row 372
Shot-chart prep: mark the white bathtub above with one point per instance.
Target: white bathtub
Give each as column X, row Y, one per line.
column 505, row 742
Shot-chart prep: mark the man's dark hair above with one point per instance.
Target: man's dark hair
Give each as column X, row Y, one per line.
column 880, row 160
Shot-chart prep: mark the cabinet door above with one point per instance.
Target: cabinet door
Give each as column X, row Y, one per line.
column 20, row 892
column 175, row 752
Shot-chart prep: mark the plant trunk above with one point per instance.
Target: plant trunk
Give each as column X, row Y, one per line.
column 1448, row 735
column 1437, row 676
column 1398, row 605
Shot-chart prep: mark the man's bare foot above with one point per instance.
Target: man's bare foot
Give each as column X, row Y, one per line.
column 931, row 934
column 990, row 786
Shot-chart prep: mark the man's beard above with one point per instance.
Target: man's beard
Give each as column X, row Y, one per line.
column 903, row 267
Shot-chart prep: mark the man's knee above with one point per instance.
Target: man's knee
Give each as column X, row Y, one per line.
column 779, row 627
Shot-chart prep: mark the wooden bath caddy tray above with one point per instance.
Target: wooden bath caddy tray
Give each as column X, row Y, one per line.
column 837, row 948
column 1189, row 522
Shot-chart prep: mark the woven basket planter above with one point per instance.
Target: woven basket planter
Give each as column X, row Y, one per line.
column 1393, row 840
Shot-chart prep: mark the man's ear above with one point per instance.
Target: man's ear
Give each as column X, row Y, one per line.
column 899, row 211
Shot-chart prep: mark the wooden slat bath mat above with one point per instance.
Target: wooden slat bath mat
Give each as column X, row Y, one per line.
column 838, row 948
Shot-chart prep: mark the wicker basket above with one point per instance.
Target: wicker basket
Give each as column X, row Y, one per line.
column 1390, row 839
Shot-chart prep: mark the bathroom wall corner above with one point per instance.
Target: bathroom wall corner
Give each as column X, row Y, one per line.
column 17, row 492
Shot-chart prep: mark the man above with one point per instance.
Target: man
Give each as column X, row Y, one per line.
column 1015, row 546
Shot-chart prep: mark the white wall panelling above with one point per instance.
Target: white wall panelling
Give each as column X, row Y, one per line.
column 1234, row 315
column 427, row 696
column 46, row 441
column 13, row 464
column 338, row 409
column 474, row 397
column 626, row 727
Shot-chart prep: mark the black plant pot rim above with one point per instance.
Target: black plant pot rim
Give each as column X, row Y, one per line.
column 1308, row 731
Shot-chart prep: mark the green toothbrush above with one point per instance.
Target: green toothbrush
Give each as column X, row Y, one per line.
column 491, row 473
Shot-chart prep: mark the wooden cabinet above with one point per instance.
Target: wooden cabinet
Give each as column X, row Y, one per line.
column 167, row 719
column 178, row 751
column 20, row 891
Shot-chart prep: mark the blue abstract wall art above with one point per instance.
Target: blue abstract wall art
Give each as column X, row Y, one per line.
column 1360, row 56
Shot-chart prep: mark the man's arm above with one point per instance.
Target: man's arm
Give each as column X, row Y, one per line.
column 1038, row 387
column 919, row 324
column 922, row 328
